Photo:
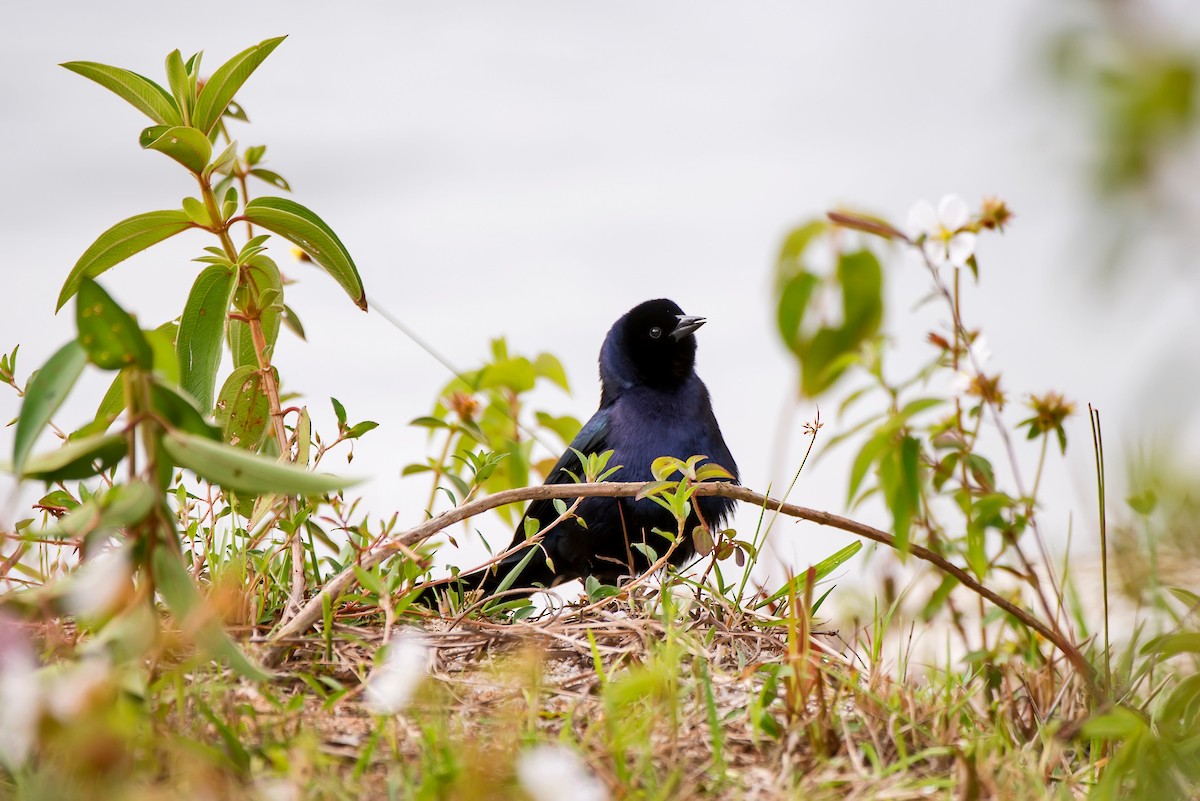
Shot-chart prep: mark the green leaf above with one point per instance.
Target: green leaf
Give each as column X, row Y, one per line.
column 1173, row 644
column 181, row 88
column 243, row 409
column 236, row 470
column 292, row 321
column 358, row 429
column 110, row 336
column 202, row 332
column 45, row 394
column 548, row 366
column 223, row 160
column 75, row 459
column 793, row 305
column 177, row 589
column 1119, row 723
column 120, row 242
column 310, row 233
column 219, row 90
column 141, row 92
column 162, row 343
column 112, row 404
column 181, row 412
column 184, row 144
column 273, row 178
column 196, row 212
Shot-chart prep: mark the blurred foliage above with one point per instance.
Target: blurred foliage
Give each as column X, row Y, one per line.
column 489, row 433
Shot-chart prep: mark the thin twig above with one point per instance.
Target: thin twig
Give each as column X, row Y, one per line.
column 310, row 613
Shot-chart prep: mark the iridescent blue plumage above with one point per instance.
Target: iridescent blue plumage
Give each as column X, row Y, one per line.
column 652, row 404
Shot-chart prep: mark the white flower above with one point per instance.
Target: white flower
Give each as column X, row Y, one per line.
column 99, row 585
column 555, row 772
column 944, row 242
column 268, row 789
column 72, row 689
column 391, row 686
column 20, row 694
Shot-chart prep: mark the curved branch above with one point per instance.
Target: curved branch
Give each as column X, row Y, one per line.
column 311, row 612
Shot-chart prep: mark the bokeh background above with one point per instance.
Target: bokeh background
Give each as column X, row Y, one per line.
column 534, row 169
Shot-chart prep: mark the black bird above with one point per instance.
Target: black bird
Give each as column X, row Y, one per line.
column 652, row 404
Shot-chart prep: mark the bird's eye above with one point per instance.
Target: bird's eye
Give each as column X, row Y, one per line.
column 655, row 332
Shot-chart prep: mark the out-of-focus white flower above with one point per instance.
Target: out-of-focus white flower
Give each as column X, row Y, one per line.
column 99, row 584
column 276, row 790
column 945, row 242
column 71, row 689
column 20, row 694
column 555, row 772
column 391, row 686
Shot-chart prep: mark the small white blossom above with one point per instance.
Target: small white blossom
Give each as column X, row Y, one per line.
column 20, row 694
column 391, row 686
column 269, row 789
column 945, row 242
column 71, row 689
column 99, row 585
column 555, row 772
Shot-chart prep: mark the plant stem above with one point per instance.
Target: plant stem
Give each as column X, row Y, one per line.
column 338, row 584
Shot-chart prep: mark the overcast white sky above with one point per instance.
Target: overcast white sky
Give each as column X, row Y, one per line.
column 534, row 169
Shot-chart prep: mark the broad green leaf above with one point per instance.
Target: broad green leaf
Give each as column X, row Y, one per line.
column 141, row 92
column 162, row 343
column 1171, row 644
column 292, row 321
column 273, row 178
column 236, row 470
column 120, row 242
column 310, row 233
column 793, row 305
column 1119, row 723
column 184, row 144
column 113, row 402
column 75, row 459
column 219, row 90
column 196, row 212
column 243, row 409
column 181, row 87
column 180, row 411
column 46, row 392
column 221, row 163
column 202, row 333
column 548, row 366
column 176, row 587
column 110, row 336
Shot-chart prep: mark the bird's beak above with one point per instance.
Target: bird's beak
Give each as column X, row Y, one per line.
column 686, row 325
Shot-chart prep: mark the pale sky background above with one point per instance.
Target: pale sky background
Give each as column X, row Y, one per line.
column 534, row 169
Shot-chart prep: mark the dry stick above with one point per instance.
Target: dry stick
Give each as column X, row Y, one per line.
column 311, row 612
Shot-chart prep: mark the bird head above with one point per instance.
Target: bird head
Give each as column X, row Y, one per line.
column 652, row 344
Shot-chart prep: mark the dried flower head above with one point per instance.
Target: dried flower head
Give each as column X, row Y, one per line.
column 464, row 406
column 995, row 214
column 1050, row 411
